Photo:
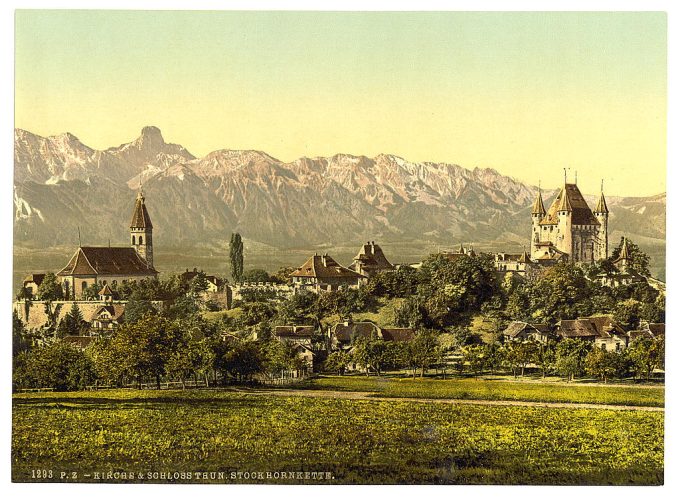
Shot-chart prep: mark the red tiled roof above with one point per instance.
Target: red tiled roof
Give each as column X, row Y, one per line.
column 324, row 266
column 398, row 334
column 106, row 260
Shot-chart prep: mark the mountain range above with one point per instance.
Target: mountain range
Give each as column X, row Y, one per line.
column 62, row 186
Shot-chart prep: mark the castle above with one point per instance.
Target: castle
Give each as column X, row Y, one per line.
column 113, row 265
column 569, row 228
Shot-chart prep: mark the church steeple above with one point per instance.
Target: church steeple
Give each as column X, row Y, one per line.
column 141, row 231
column 601, row 207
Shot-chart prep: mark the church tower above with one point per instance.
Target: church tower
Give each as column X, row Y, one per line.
column 141, row 231
column 602, row 214
column 564, row 224
column 537, row 213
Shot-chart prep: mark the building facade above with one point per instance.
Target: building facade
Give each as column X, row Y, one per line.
column 570, row 227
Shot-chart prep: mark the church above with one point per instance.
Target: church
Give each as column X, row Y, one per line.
column 113, row 265
column 569, row 229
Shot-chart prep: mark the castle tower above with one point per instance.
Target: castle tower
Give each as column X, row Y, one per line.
column 537, row 213
column 564, row 225
column 602, row 215
column 141, row 231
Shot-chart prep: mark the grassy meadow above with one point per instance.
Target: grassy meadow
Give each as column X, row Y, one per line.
column 485, row 389
column 357, row 441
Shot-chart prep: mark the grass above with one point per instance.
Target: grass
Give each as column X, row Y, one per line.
column 491, row 390
column 357, row 441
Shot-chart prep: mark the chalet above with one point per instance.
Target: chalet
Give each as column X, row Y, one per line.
column 321, row 273
column 107, row 317
column 602, row 331
column 371, row 260
column 521, row 331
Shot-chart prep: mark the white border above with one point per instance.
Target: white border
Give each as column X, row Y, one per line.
column 673, row 212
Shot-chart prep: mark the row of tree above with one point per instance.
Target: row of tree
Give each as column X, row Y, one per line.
column 569, row 358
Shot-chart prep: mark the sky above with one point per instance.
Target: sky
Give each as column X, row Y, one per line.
column 527, row 94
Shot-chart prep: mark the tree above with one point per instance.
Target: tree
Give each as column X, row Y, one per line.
column 244, row 360
column 639, row 261
column 92, row 292
column 73, row 323
column 424, row 350
column 544, row 357
column 475, row 357
column 371, row 353
column 282, row 276
column 20, row 342
column 337, row 361
column 138, row 307
column 50, row 289
column 570, row 357
column 59, row 366
column 143, row 348
column 604, row 364
column 236, row 257
column 628, row 313
column 256, row 276
column 646, row 354
column 198, row 283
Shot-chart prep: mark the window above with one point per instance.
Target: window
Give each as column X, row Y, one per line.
column 83, row 286
column 133, row 239
column 604, row 346
column 141, row 240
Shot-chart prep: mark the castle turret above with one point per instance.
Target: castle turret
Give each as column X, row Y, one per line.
column 564, row 233
column 602, row 215
column 141, row 231
column 537, row 213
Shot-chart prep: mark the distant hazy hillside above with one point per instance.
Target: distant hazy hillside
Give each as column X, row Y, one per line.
column 62, row 184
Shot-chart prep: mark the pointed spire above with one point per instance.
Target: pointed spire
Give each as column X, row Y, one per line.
column 564, row 204
column 538, row 207
column 140, row 216
column 601, row 207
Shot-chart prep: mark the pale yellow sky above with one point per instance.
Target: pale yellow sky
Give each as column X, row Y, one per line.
column 524, row 93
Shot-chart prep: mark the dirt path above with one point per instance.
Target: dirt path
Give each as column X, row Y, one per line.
column 368, row 396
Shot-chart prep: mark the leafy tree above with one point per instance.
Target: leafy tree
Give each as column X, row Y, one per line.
column 236, row 257
column 519, row 354
column 143, row 348
column 371, row 353
column 475, row 357
column 424, row 350
column 628, row 313
column 544, row 357
column 138, row 307
column 59, row 366
column 282, row 276
column 92, row 292
column 605, row 365
column 50, row 289
column 244, row 360
column 337, row 361
column 639, row 261
column 411, row 313
column 570, row 357
column 256, row 276
column 20, row 342
column 646, row 354
column 198, row 283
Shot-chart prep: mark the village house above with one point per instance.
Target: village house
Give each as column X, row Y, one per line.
column 648, row 330
column 113, row 265
column 521, row 331
column 370, row 260
column 300, row 335
column 217, row 293
column 321, row 273
column 342, row 335
column 602, row 331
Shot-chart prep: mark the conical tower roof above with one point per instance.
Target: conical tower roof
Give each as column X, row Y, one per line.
column 538, row 207
column 140, row 216
column 564, row 203
column 601, row 205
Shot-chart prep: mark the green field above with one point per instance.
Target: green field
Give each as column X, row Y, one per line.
column 358, row 441
column 480, row 389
